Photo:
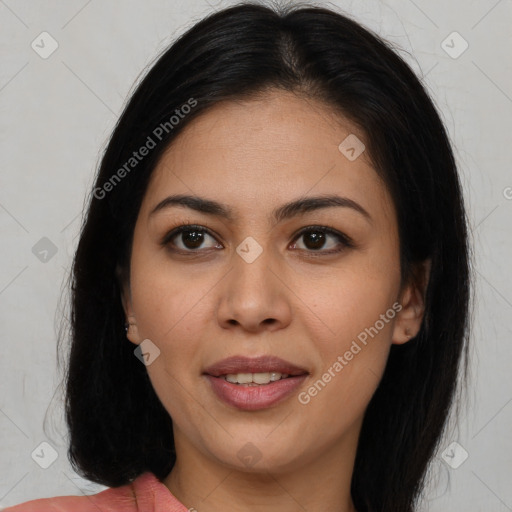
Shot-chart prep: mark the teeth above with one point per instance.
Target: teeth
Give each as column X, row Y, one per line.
column 254, row 378
column 244, row 378
column 261, row 378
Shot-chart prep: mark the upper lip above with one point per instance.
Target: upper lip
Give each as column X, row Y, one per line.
column 261, row 364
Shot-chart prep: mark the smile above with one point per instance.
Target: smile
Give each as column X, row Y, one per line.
column 252, row 384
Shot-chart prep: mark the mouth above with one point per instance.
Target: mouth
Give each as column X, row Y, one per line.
column 254, row 379
column 254, row 383
column 254, row 366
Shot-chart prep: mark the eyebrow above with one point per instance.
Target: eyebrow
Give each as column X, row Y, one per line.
column 286, row 211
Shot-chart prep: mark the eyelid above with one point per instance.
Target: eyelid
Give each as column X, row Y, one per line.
column 327, row 230
column 185, row 225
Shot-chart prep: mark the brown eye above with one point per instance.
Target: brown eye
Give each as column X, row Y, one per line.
column 188, row 238
column 317, row 238
column 321, row 239
column 192, row 239
column 314, row 240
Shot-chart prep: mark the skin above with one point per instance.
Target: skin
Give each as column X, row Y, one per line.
column 294, row 302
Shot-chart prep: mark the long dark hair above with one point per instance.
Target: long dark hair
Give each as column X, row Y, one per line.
column 118, row 427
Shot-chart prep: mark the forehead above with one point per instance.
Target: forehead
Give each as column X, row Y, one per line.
column 253, row 154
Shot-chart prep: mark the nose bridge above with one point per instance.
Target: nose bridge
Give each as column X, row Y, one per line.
column 253, row 295
column 252, row 268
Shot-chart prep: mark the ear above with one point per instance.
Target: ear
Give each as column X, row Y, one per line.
column 412, row 299
column 132, row 332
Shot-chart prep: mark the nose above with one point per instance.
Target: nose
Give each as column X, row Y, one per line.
column 254, row 295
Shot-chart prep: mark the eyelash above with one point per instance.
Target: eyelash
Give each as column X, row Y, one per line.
column 343, row 239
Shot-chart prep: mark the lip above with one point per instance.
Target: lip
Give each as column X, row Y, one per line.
column 261, row 364
column 252, row 398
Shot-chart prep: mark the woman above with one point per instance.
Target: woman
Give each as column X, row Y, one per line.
column 270, row 290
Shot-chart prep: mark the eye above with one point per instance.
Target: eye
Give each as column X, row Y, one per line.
column 317, row 237
column 188, row 238
column 191, row 238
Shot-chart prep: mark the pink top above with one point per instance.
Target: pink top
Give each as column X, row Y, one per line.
column 145, row 494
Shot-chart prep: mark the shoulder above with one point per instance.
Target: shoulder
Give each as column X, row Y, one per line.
column 127, row 498
column 145, row 494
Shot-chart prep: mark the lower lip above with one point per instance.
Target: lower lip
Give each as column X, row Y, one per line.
column 253, row 398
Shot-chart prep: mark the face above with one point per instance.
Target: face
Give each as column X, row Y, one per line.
column 311, row 291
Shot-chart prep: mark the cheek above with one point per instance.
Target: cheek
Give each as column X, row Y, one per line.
column 352, row 297
column 168, row 308
column 357, row 319
column 165, row 298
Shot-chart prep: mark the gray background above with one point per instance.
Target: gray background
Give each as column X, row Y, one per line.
column 55, row 116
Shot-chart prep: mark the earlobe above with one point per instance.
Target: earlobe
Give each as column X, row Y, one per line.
column 409, row 319
column 132, row 331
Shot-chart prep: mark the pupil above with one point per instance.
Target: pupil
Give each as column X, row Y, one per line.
column 192, row 238
column 317, row 238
